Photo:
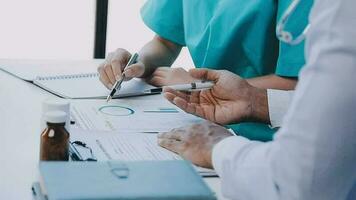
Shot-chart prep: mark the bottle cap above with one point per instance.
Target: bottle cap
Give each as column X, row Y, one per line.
column 55, row 104
column 55, row 117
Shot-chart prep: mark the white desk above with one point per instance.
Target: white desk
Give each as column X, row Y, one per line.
column 20, row 109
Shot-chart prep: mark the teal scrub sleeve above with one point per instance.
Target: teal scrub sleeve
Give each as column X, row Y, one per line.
column 290, row 60
column 291, row 57
column 253, row 131
column 165, row 18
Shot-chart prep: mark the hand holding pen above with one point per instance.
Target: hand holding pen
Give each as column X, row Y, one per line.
column 117, row 86
column 112, row 69
column 231, row 99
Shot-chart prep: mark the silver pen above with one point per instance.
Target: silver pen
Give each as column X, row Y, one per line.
column 117, row 85
column 202, row 85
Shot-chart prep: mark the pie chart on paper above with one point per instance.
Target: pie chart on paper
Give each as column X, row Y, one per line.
column 116, row 110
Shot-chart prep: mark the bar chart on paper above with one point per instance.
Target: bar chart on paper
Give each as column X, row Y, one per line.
column 133, row 115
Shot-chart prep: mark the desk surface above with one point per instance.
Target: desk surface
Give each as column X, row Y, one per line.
column 20, row 108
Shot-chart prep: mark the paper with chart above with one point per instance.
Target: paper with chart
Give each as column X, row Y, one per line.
column 130, row 115
column 127, row 147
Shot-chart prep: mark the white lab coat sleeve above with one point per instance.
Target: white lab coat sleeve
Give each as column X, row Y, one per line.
column 278, row 104
column 234, row 161
column 313, row 156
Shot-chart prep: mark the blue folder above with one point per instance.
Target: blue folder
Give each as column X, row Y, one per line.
column 123, row 180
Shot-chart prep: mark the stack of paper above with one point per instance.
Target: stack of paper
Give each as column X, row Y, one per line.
column 123, row 129
column 126, row 129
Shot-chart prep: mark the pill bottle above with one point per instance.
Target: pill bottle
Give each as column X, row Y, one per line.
column 54, row 145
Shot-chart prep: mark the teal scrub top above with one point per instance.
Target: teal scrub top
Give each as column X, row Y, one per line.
column 234, row 35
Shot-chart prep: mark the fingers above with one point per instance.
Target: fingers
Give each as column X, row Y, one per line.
column 159, row 77
column 191, row 97
column 161, row 72
column 186, row 106
column 174, row 134
column 157, row 81
column 111, row 70
column 172, row 141
column 135, row 70
column 118, row 62
column 180, row 94
column 169, row 96
column 172, row 145
column 104, row 78
column 109, row 73
column 205, row 74
column 181, row 103
column 179, row 99
column 192, row 108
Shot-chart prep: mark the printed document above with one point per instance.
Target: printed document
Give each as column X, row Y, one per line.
column 126, row 147
column 130, row 115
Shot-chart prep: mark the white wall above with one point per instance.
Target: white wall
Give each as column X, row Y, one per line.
column 64, row 29
column 46, row 29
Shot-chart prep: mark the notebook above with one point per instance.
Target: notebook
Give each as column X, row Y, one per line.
column 30, row 69
column 122, row 180
column 69, row 79
column 88, row 86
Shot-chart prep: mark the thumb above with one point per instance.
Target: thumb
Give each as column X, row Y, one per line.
column 205, row 74
column 135, row 70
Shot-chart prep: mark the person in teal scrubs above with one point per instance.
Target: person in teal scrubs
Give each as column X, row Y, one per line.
column 233, row 35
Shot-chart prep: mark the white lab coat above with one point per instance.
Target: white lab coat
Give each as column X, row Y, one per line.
column 313, row 155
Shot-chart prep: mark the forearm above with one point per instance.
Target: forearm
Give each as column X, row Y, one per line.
column 259, row 106
column 158, row 52
column 273, row 82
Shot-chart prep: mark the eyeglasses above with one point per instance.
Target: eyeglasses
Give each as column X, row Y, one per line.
column 286, row 36
column 79, row 151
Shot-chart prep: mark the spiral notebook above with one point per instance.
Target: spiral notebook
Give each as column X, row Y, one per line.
column 73, row 79
column 88, row 86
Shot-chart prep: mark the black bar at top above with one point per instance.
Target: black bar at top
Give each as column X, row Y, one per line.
column 101, row 20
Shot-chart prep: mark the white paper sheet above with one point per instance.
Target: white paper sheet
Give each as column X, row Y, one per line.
column 133, row 115
column 126, row 147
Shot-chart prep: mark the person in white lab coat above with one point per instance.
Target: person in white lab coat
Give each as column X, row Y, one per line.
column 313, row 155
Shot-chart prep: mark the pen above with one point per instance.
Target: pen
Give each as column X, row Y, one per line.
column 185, row 87
column 117, row 85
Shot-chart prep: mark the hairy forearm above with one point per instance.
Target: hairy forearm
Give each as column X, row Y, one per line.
column 273, row 82
column 259, row 106
column 158, row 52
column 259, row 98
